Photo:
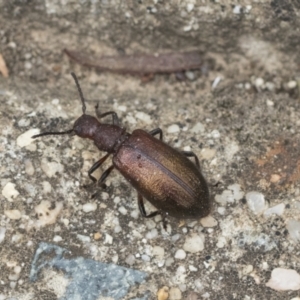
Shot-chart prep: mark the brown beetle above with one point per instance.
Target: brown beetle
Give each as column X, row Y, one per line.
column 159, row 173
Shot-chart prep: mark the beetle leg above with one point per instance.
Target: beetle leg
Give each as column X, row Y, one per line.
column 102, row 179
column 142, row 208
column 192, row 154
column 97, row 165
column 115, row 117
column 157, row 131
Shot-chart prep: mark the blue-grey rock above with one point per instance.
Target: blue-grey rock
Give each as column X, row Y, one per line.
column 89, row 279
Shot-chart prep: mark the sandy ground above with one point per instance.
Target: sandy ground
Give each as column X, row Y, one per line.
column 239, row 113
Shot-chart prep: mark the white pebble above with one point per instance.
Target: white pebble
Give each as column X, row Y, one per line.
column 108, row 239
column 144, row 117
column 209, row 221
column 46, row 187
column 145, row 257
column 122, row 210
column 275, row 210
column 256, row 202
column 221, row 242
column 51, row 168
column 25, row 138
column 215, row 134
column 9, row 191
column 83, row 238
column 236, row 190
column 153, row 233
column 130, row 259
column 259, row 82
column 237, row 9
column 292, row 84
column 293, row 227
column 158, row 251
column 226, row 196
column 193, row 268
column 194, row 243
column 180, row 254
column 2, row 234
column 175, row 293
column 88, row 207
column 173, row 128
column 47, row 213
column 284, row 279
column 221, row 210
column 13, row 214
column 29, row 168
column 190, row 7
column 198, row 128
column 57, row 238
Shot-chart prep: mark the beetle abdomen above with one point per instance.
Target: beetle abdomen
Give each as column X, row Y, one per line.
column 164, row 176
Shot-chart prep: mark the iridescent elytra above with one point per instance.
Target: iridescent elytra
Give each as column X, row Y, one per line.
column 164, row 176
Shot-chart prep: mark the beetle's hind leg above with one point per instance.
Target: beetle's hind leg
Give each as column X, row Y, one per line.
column 157, row 131
column 192, row 154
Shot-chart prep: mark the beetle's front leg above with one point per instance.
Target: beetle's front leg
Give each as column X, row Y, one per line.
column 115, row 117
column 102, row 179
column 97, row 165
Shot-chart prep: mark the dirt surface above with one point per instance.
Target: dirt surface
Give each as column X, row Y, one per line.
column 239, row 113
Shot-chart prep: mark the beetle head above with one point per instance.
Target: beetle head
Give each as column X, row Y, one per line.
column 86, row 126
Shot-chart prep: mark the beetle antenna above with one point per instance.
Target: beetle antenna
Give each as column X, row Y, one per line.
column 80, row 93
column 52, row 133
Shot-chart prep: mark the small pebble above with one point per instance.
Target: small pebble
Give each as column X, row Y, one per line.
column 259, row 82
column 173, row 128
column 221, row 210
column 47, row 212
column 292, row 84
column 144, row 117
column 153, row 233
column 163, row 293
column 275, row 210
column 108, row 239
column 193, row 268
column 194, row 243
column 293, row 228
column 284, row 280
column 256, row 202
column 215, row 134
column 158, row 251
column 237, row 9
column 209, row 221
column 9, row 191
column 51, row 168
column 88, row 207
column 29, row 168
column 2, row 234
column 180, row 254
column 198, row 128
column 13, row 214
column 83, row 238
column 25, row 138
column 190, row 7
column 145, row 257
column 57, row 238
column 175, row 293
column 97, row 236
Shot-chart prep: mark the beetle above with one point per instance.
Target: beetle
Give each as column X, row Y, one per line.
column 166, row 177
